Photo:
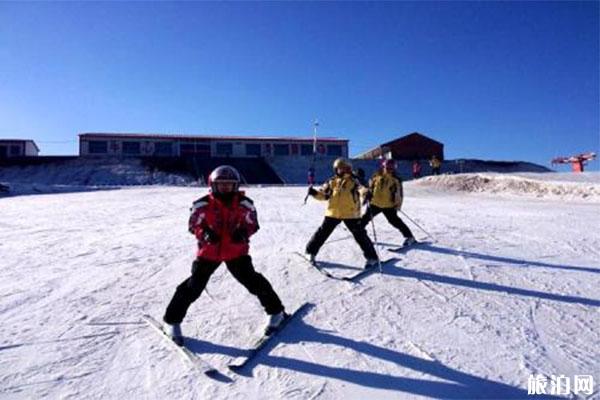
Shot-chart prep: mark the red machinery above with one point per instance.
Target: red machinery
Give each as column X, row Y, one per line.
column 577, row 162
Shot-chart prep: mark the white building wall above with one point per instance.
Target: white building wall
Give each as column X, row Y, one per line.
column 25, row 148
column 238, row 147
column 30, row 149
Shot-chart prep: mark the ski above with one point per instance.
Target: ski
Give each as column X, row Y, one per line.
column 403, row 249
column 368, row 270
column 316, row 265
column 349, row 278
column 186, row 353
column 239, row 363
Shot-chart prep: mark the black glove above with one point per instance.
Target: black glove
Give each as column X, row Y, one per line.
column 312, row 191
column 239, row 235
column 209, row 235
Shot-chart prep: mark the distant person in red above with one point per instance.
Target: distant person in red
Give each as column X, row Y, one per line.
column 223, row 222
column 416, row 169
column 311, row 176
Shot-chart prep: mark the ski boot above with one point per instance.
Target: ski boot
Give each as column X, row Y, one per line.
column 275, row 321
column 409, row 241
column 173, row 331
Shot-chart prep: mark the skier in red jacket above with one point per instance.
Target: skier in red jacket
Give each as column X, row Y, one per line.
column 223, row 222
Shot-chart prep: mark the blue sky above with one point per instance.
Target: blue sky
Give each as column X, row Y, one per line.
column 491, row 80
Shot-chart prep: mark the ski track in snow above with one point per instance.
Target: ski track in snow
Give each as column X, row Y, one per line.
column 508, row 288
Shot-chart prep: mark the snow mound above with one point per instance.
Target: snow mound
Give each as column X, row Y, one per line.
column 538, row 185
column 84, row 174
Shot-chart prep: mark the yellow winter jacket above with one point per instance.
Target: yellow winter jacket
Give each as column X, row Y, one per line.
column 386, row 189
column 344, row 195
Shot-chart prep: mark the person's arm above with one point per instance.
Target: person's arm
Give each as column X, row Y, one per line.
column 197, row 215
column 323, row 193
column 248, row 222
column 399, row 194
column 197, row 223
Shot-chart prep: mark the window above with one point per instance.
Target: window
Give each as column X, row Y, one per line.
column 15, row 150
column 253, row 149
column 224, row 149
column 281, row 150
column 186, row 148
column 163, row 148
column 203, row 149
column 131, row 147
column 3, row 151
column 98, row 147
column 334, row 150
column 306, row 150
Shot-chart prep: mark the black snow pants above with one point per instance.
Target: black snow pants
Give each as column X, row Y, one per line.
column 357, row 230
column 392, row 217
column 242, row 270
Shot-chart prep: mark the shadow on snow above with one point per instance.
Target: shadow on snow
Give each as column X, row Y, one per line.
column 454, row 384
column 426, row 246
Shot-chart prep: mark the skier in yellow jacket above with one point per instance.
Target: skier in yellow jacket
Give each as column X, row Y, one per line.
column 343, row 192
column 436, row 165
column 385, row 196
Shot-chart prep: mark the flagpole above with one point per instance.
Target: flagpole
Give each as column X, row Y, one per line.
column 314, row 155
column 315, row 125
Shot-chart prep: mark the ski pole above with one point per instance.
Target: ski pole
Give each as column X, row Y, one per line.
column 307, row 194
column 374, row 235
column 419, row 226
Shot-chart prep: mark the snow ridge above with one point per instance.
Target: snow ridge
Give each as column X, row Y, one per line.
column 536, row 185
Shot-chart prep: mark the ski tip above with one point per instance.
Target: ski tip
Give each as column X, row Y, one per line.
column 234, row 367
column 304, row 307
column 212, row 373
column 218, row 376
column 238, row 369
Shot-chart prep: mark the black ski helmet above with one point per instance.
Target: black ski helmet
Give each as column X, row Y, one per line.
column 225, row 174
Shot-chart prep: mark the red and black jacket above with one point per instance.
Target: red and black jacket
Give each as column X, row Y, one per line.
column 223, row 227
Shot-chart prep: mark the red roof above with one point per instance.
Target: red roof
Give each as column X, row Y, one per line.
column 195, row 137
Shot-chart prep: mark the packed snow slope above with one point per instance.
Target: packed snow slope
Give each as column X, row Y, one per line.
column 507, row 286
column 566, row 187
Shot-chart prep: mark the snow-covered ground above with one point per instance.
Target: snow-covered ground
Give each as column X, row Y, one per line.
column 509, row 288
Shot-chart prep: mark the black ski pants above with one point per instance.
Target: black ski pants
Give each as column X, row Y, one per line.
column 357, row 230
column 390, row 214
column 242, row 270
